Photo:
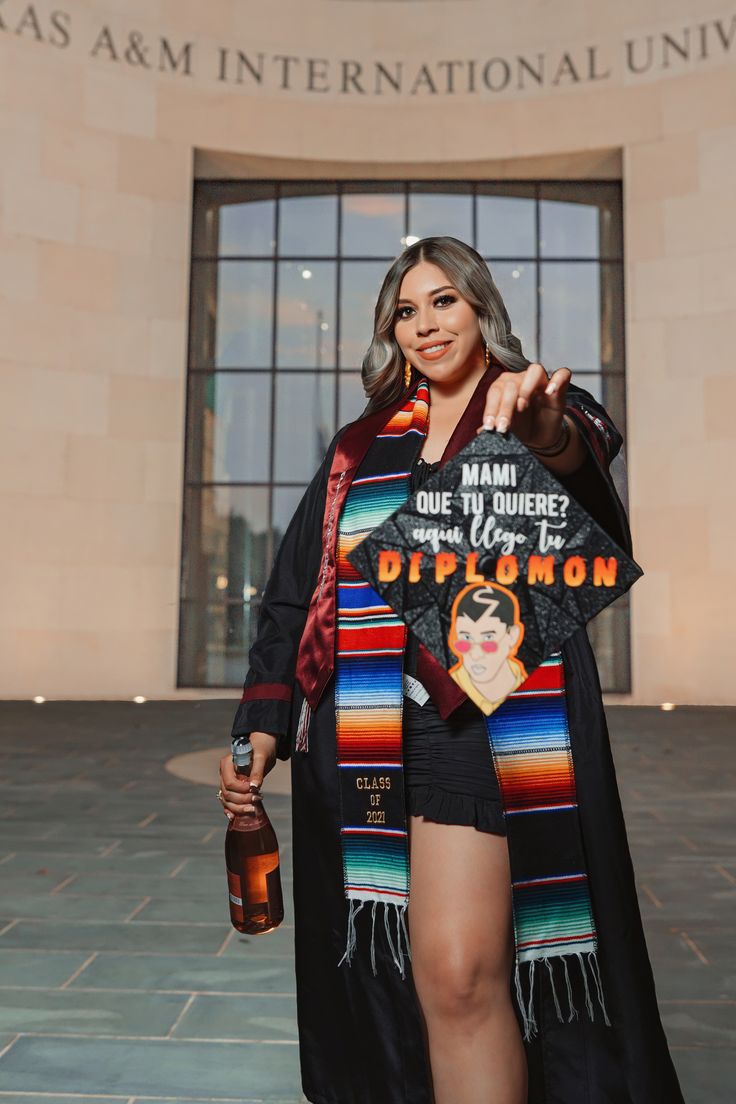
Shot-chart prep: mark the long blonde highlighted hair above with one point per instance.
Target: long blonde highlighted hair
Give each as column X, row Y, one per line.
column 383, row 365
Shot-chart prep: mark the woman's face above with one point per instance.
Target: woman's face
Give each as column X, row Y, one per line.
column 436, row 328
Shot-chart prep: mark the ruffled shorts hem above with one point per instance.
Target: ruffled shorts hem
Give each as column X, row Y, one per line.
column 449, row 808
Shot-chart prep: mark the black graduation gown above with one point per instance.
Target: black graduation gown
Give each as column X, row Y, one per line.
column 361, row 1036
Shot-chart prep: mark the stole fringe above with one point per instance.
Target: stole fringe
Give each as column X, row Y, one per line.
column 526, row 1003
column 398, row 942
column 302, row 729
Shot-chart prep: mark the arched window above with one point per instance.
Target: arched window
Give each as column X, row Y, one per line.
column 283, row 284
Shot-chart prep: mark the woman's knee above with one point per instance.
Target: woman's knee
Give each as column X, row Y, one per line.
column 461, row 983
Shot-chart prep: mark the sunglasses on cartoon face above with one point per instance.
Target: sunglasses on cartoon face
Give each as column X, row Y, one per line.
column 464, row 644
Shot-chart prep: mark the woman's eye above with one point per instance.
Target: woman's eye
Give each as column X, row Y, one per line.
column 441, row 299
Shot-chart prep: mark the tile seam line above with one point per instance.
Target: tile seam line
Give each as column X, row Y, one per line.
column 126, row 1097
column 182, row 992
column 65, row 1036
column 123, row 951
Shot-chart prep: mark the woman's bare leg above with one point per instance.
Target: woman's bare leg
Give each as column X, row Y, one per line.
column 461, row 935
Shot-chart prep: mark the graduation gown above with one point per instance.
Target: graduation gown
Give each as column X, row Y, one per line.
column 361, row 1036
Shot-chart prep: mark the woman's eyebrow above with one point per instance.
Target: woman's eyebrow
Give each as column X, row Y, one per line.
column 430, row 293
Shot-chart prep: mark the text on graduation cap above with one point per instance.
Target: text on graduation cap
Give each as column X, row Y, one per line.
column 601, row 571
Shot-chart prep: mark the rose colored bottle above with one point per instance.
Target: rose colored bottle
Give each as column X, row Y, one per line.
column 252, row 861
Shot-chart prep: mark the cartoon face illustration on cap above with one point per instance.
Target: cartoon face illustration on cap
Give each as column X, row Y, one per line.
column 485, row 634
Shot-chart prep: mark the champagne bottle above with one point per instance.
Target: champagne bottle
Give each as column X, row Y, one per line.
column 252, row 861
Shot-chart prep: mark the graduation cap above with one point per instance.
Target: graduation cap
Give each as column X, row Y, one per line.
column 493, row 565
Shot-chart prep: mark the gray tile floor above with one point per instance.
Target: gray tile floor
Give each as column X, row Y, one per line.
column 121, row 978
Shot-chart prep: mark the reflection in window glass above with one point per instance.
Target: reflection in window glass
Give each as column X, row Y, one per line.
column 352, row 399
column 441, row 213
column 608, row 633
column 585, row 218
column 570, row 316
column 308, row 225
column 305, row 421
column 360, row 282
column 230, row 442
column 227, row 560
column 247, row 229
column 568, row 229
column 305, row 317
column 226, row 564
column 517, row 285
column 244, row 314
column 372, row 224
column 215, row 640
column 506, row 226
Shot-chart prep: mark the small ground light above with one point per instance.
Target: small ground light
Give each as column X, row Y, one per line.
column 139, row 699
column 667, row 707
column 39, row 700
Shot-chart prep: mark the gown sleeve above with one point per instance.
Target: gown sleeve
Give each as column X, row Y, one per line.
column 592, row 485
column 267, row 690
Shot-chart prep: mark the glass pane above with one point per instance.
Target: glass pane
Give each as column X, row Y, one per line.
column 234, row 219
column 229, row 427
column 570, row 316
column 285, row 502
column 372, row 223
column 248, row 228
column 518, row 287
column 226, row 557
column 360, row 282
column 307, row 223
column 215, row 641
column 351, row 398
column 440, row 210
column 568, row 229
column 305, row 421
column 608, row 633
column 506, row 225
column 305, row 335
column 581, row 220
column 227, row 545
column 244, row 307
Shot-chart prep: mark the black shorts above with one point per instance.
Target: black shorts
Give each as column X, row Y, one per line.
column 448, row 767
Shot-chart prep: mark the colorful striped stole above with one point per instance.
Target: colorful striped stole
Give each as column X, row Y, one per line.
column 552, row 912
column 369, row 691
column 530, row 748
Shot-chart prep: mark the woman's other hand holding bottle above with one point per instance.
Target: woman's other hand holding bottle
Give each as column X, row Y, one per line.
column 240, row 791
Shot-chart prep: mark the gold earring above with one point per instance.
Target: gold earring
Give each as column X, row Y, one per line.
column 407, row 374
column 488, row 357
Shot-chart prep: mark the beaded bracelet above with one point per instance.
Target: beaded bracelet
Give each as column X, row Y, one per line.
column 560, row 444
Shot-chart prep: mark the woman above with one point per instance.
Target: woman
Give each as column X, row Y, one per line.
column 446, row 1030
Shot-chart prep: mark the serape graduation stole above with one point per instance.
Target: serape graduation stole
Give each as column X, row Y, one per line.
column 530, row 746
column 552, row 911
column 369, row 691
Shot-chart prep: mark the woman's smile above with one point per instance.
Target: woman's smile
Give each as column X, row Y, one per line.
column 434, row 352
